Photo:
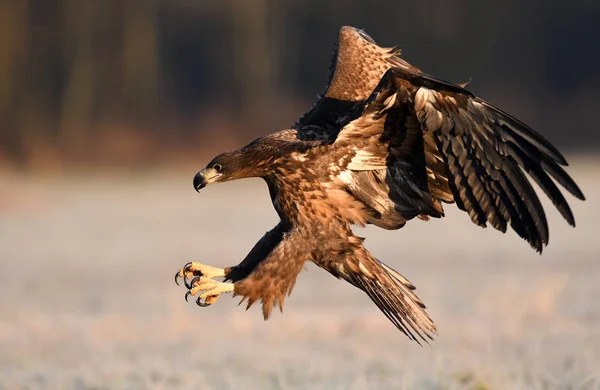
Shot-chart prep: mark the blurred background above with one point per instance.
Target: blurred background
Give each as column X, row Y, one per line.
column 136, row 81
column 109, row 107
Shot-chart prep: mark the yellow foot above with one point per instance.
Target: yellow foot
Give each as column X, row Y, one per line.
column 201, row 280
column 194, row 269
column 212, row 290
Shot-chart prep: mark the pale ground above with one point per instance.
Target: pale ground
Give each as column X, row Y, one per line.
column 87, row 298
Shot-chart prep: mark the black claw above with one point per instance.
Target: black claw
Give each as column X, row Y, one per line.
column 201, row 304
column 195, row 280
column 187, row 294
column 184, row 277
column 186, row 283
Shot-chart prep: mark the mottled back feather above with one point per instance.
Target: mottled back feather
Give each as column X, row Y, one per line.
column 357, row 67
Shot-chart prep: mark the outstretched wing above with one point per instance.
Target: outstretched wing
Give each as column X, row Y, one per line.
column 356, row 68
column 452, row 145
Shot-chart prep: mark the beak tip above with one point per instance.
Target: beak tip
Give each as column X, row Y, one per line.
column 199, row 182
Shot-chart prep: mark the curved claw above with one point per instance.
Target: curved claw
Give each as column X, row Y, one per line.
column 193, row 281
column 186, row 282
column 187, row 294
column 177, row 278
column 201, row 304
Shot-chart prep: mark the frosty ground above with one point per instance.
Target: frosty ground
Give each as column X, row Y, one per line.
column 87, row 298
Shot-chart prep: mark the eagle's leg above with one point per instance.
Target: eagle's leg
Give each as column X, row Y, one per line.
column 202, row 275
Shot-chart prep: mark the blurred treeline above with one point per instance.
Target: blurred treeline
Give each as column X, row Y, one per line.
column 123, row 81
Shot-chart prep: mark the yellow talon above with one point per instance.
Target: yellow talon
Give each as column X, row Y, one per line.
column 211, row 299
column 196, row 268
column 201, row 276
column 205, row 285
column 202, row 281
column 216, row 289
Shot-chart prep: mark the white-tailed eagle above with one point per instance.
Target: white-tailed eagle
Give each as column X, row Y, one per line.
column 386, row 143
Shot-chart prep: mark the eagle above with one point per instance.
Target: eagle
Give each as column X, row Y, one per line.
column 384, row 144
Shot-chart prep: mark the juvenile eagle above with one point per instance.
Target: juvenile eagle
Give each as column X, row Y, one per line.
column 385, row 144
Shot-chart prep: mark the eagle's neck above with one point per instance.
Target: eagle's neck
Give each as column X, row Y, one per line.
column 279, row 190
column 266, row 156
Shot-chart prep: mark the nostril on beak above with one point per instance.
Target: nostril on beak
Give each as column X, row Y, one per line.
column 199, row 181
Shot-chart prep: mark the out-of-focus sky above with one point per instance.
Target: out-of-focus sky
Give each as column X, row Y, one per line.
column 131, row 80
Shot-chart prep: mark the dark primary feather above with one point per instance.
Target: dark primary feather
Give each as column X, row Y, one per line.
column 485, row 151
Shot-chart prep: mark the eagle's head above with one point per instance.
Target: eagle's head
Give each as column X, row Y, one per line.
column 259, row 158
column 256, row 159
column 224, row 167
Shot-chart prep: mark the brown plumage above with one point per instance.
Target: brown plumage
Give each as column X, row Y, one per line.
column 386, row 143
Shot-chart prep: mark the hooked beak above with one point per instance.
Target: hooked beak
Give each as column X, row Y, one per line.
column 205, row 177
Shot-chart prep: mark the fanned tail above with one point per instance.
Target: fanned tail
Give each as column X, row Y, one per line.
column 394, row 296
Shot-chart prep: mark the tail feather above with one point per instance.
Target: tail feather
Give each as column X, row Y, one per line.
column 395, row 297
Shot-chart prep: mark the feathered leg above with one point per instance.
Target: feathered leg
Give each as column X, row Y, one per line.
column 198, row 277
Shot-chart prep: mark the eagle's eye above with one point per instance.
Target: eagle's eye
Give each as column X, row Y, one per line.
column 218, row 167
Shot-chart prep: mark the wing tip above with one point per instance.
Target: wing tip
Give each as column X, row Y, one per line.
column 577, row 193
